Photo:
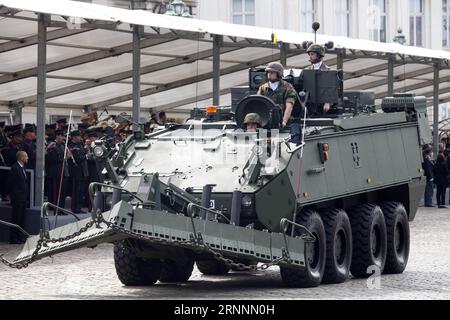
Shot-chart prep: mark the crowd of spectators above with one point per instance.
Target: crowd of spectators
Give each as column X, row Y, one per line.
column 68, row 172
column 437, row 170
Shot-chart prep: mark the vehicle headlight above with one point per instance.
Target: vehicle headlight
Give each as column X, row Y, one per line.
column 99, row 151
column 246, row 202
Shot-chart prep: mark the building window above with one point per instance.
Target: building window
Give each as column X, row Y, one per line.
column 416, row 23
column 307, row 15
column 378, row 19
column 343, row 18
column 244, row 12
column 446, row 23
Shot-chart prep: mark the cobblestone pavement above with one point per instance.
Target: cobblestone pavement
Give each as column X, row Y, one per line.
column 90, row 274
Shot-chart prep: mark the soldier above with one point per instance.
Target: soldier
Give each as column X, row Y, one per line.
column 440, row 174
column 252, row 122
column 77, row 169
column 283, row 94
column 50, row 131
column 29, row 146
column 428, row 170
column 82, row 127
column 54, row 159
column 14, row 145
column 316, row 53
column 89, row 119
column 3, row 138
column 3, row 173
column 162, row 118
column 61, row 123
column 93, row 172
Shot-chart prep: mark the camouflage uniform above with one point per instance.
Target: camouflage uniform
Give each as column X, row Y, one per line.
column 252, row 118
column 283, row 94
column 323, row 67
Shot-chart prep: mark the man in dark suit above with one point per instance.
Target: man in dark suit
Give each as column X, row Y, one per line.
column 427, row 166
column 18, row 184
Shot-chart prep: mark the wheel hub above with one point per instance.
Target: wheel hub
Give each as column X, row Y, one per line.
column 313, row 251
column 376, row 241
column 398, row 238
column 340, row 247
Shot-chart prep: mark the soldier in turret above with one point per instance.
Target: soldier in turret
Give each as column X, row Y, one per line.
column 283, row 94
column 252, row 122
column 316, row 53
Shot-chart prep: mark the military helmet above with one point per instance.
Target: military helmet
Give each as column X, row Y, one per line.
column 317, row 48
column 252, row 118
column 275, row 67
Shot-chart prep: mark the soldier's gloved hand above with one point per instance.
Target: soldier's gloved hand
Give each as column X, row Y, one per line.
column 326, row 107
column 283, row 124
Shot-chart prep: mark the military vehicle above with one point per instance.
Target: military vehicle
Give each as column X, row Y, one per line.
column 211, row 193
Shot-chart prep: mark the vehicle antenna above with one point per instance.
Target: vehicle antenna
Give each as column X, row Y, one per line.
column 197, row 67
column 315, row 27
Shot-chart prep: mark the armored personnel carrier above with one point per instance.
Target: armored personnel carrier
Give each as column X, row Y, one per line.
column 212, row 193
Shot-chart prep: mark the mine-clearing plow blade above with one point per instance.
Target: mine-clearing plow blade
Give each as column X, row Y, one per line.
column 166, row 229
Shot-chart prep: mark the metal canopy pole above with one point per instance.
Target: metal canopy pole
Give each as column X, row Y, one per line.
column 17, row 108
column 137, row 31
column 217, row 43
column 136, row 77
column 40, row 111
column 436, row 108
column 340, row 59
column 284, row 50
column 391, row 61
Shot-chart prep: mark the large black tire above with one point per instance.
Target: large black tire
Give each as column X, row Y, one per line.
column 315, row 254
column 212, row 267
column 339, row 245
column 369, row 239
column 177, row 271
column 133, row 270
column 397, row 226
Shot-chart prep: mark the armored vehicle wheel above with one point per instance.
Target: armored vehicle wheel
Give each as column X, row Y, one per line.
column 133, row 270
column 397, row 226
column 339, row 245
column 369, row 239
column 212, row 267
column 177, row 271
column 315, row 254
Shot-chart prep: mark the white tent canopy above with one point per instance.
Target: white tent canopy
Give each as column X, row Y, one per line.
column 92, row 66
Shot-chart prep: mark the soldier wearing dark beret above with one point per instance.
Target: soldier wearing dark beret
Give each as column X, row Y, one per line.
column 29, row 145
column 77, row 169
column 14, row 145
column 54, row 159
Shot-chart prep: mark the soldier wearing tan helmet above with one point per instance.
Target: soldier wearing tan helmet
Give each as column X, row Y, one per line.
column 280, row 91
column 316, row 53
column 252, row 122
